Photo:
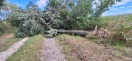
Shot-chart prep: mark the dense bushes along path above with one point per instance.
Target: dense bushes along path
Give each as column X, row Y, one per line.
column 5, row 54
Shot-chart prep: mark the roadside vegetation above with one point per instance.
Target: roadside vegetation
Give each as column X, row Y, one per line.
column 120, row 29
column 29, row 51
column 77, row 48
column 6, row 43
column 6, row 28
column 109, row 37
column 59, row 14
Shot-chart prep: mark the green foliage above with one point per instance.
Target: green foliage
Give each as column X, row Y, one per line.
column 125, row 28
column 122, row 27
column 15, row 22
column 52, row 14
column 10, row 10
column 1, row 2
column 60, row 14
column 118, row 44
column 80, row 15
column 1, row 30
column 28, row 28
column 51, row 33
column 28, row 21
column 4, row 27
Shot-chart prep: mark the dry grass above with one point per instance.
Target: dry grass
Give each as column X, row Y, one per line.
column 5, row 36
column 7, row 41
column 117, row 25
column 79, row 49
column 29, row 51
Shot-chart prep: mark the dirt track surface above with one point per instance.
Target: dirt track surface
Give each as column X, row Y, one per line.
column 5, row 54
column 51, row 51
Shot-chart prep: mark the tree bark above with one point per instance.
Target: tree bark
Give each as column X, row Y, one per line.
column 74, row 32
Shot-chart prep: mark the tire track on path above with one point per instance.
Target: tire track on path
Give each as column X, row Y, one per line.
column 6, row 54
column 51, row 51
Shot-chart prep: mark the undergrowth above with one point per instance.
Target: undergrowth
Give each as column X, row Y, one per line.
column 121, row 29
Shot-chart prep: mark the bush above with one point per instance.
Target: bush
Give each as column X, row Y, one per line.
column 122, row 31
column 15, row 22
column 119, row 38
column 1, row 30
column 28, row 28
column 20, row 34
column 122, row 27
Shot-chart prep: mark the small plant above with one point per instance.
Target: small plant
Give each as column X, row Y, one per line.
column 118, row 44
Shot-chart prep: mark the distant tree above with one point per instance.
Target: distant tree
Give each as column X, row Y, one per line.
column 8, row 11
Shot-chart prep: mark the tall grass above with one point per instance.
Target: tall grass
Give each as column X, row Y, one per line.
column 114, row 21
column 6, row 27
column 120, row 27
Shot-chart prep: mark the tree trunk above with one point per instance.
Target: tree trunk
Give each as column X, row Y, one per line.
column 75, row 32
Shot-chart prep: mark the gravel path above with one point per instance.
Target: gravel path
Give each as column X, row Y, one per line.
column 50, row 51
column 4, row 55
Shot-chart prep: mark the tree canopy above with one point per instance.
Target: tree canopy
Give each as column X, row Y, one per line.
column 61, row 14
column 2, row 2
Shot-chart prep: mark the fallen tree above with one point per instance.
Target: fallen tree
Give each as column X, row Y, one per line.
column 56, row 15
column 53, row 32
column 74, row 32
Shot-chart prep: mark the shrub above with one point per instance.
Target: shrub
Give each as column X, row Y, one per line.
column 1, row 30
column 122, row 31
column 28, row 28
column 15, row 22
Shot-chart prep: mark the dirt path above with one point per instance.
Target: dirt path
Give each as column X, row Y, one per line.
column 50, row 51
column 4, row 55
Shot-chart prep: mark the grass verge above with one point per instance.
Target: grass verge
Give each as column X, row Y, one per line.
column 29, row 51
column 76, row 48
column 5, row 44
column 71, row 47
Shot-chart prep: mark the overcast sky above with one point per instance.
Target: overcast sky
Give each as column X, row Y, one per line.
column 123, row 7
